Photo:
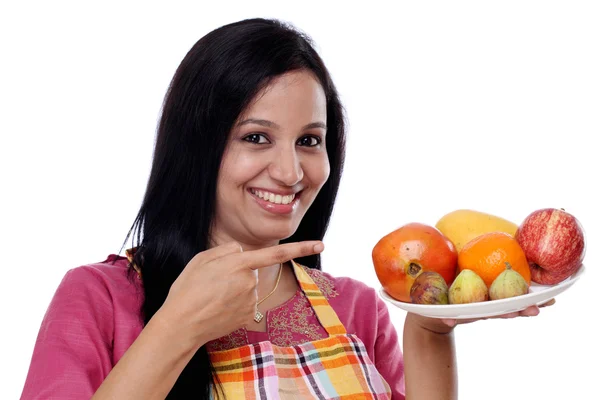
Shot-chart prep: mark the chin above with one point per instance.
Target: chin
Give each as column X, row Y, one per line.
column 270, row 233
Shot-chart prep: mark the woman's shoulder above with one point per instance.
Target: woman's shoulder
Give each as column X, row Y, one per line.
column 89, row 324
column 103, row 296
column 108, row 284
column 112, row 273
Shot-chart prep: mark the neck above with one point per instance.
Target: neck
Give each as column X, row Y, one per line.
column 220, row 238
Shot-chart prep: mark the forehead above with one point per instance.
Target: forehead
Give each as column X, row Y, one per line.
column 293, row 97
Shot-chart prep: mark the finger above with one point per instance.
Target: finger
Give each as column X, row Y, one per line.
column 469, row 320
column 530, row 311
column 217, row 252
column 279, row 254
column 548, row 303
column 508, row 315
column 450, row 322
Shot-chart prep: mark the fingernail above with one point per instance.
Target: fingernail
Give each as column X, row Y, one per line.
column 318, row 247
column 450, row 323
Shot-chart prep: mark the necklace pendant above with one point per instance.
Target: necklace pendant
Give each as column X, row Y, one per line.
column 258, row 316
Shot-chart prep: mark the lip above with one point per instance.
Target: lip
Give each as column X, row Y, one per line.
column 280, row 209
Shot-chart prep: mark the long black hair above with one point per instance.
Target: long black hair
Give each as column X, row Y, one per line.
column 215, row 82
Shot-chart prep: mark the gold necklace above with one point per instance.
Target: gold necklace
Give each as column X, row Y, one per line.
column 259, row 316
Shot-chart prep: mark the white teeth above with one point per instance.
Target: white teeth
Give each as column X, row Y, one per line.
column 274, row 198
column 288, row 199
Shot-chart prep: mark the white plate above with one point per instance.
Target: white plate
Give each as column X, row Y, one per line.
column 537, row 295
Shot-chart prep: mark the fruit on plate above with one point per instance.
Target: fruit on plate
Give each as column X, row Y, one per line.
column 468, row 287
column 508, row 284
column 429, row 288
column 462, row 226
column 554, row 243
column 403, row 254
column 487, row 255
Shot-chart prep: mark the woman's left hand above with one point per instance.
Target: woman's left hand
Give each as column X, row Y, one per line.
column 444, row 326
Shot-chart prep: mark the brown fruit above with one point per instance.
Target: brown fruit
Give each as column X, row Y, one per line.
column 429, row 288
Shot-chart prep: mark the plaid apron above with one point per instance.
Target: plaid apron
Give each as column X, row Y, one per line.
column 337, row 367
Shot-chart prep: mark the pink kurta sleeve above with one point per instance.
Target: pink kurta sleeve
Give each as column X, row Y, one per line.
column 72, row 354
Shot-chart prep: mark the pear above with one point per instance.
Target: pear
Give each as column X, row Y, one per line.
column 468, row 287
column 508, row 284
column 429, row 288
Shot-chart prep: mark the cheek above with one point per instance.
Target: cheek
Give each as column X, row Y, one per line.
column 318, row 171
column 238, row 168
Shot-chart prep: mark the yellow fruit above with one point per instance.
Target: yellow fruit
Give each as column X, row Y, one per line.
column 461, row 226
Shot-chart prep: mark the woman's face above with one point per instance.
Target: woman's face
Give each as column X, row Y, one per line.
column 274, row 164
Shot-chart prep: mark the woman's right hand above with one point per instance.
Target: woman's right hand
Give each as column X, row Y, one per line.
column 216, row 293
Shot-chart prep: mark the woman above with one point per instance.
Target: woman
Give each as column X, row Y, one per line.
column 222, row 293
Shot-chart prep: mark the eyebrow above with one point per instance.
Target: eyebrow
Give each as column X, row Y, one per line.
column 270, row 124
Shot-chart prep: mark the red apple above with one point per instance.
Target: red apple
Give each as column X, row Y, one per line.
column 554, row 244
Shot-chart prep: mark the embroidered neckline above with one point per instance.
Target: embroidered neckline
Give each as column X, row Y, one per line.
column 282, row 325
column 278, row 308
column 301, row 321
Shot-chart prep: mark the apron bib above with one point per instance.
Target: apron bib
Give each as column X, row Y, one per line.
column 337, row 367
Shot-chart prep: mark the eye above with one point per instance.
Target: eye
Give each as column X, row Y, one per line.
column 256, row 138
column 309, row 141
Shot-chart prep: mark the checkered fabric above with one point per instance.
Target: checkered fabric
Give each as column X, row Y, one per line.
column 337, row 367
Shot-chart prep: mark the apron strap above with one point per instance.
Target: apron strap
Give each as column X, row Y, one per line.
column 323, row 310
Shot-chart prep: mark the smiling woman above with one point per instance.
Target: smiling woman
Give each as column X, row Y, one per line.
column 222, row 292
column 275, row 163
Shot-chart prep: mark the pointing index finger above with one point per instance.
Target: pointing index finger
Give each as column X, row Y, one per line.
column 217, row 252
column 281, row 253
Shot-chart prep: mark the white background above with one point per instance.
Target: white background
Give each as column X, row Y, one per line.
column 486, row 105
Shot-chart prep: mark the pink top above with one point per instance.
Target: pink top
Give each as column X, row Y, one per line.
column 94, row 317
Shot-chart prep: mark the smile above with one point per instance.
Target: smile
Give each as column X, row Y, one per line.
column 273, row 197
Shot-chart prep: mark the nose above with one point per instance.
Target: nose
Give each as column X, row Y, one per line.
column 285, row 167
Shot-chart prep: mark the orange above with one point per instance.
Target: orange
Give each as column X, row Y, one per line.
column 487, row 255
